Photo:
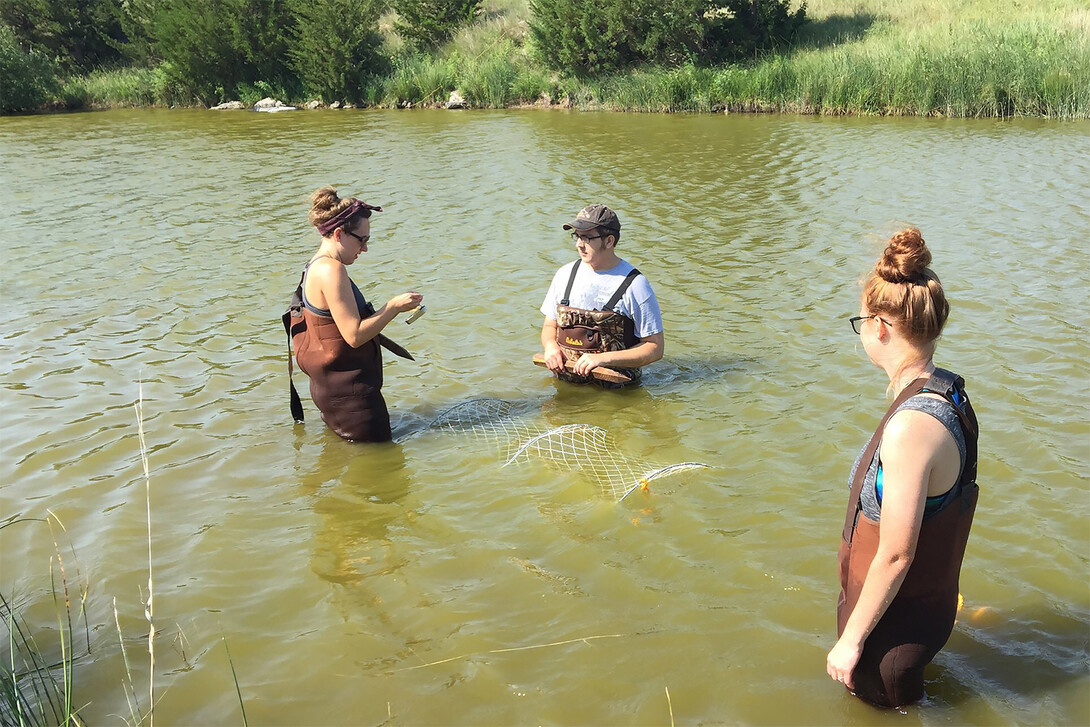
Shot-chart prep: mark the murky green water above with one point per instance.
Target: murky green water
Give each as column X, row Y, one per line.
column 424, row 582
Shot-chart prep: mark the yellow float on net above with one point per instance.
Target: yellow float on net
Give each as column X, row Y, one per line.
column 645, row 486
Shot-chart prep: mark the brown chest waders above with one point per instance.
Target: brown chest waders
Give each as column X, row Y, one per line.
column 920, row 618
column 345, row 382
column 580, row 331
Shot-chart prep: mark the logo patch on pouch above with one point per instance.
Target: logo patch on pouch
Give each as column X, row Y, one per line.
column 573, row 341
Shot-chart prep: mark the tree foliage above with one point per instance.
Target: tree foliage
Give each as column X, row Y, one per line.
column 211, row 47
column 28, row 78
column 425, row 24
column 79, row 34
column 335, row 46
column 595, row 36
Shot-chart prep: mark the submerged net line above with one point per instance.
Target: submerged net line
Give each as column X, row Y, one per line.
column 583, row 448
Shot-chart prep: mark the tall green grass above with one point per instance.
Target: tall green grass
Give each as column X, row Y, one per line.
column 123, row 88
column 967, row 69
column 37, row 679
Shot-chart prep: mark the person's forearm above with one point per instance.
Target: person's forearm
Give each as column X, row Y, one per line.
column 884, row 578
column 373, row 325
column 639, row 355
column 548, row 336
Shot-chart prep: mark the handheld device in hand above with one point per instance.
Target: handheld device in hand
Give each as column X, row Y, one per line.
column 415, row 313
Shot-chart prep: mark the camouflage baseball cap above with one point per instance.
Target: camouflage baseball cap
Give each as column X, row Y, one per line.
column 592, row 216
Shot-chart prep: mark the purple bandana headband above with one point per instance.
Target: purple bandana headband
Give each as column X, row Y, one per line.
column 344, row 216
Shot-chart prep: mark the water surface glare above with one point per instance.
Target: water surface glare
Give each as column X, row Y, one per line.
column 423, row 582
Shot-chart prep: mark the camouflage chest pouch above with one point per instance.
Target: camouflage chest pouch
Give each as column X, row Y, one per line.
column 589, row 331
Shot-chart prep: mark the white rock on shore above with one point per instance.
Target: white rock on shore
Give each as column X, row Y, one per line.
column 271, row 105
column 229, row 106
column 455, row 101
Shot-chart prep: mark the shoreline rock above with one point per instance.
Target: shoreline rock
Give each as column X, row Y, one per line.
column 456, row 101
column 272, row 105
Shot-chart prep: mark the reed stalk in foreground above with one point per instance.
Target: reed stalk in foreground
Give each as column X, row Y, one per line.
column 30, row 691
column 149, row 610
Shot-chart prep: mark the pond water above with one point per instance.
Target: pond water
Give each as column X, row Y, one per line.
column 425, row 582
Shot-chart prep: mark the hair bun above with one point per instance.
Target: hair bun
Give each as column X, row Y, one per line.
column 905, row 259
column 324, row 199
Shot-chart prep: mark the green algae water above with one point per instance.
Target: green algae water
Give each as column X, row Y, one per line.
column 424, row 582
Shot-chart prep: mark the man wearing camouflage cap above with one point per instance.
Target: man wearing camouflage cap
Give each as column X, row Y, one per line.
column 600, row 311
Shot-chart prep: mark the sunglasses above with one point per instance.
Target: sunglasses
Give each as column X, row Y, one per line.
column 362, row 239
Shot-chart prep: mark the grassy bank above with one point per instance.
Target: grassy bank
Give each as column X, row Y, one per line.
column 978, row 58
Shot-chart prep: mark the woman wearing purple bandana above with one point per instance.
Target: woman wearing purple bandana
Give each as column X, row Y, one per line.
column 335, row 331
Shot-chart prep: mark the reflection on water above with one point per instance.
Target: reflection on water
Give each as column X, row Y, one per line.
column 359, row 495
column 422, row 582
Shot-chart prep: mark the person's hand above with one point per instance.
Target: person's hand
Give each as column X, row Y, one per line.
column 554, row 358
column 842, row 661
column 587, row 363
column 405, row 301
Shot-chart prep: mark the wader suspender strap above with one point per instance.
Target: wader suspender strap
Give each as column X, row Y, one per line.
column 295, row 307
column 394, row 347
column 616, row 296
column 868, row 456
column 571, row 282
column 944, row 383
column 621, row 290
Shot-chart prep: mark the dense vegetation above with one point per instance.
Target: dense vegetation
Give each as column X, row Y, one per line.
column 584, row 37
column 949, row 57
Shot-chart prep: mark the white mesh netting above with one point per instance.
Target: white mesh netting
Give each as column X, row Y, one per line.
column 582, row 448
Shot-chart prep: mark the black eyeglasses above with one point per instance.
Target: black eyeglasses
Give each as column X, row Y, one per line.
column 580, row 236
column 362, row 240
column 856, row 321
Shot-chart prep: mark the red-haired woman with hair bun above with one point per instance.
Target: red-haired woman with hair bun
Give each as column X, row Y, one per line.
column 913, row 490
column 336, row 333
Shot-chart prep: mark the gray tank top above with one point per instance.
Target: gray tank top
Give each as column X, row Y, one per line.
column 943, row 411
column 365, row 308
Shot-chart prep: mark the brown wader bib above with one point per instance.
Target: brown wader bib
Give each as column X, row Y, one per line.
column 918, row 622
column 580, row 331
column 345, row 382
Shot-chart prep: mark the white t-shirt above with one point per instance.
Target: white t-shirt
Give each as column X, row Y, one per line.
column 592, row 290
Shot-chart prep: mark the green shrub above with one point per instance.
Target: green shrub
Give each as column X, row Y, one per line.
column 427, row 24
column 740, row 28
column 79, row 34
column 28, row 79
column 193, row 39
column 262, row 33
column 210, row 47
column 585, row 37
column 136, row 18
column 335, row 47
column 595, row 36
